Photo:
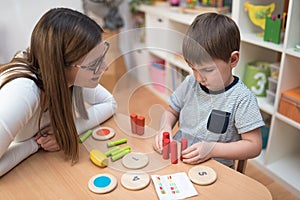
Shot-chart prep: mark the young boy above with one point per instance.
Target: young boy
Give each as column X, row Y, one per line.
column 217, row 113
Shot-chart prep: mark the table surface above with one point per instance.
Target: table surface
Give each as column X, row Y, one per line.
column 46, row 175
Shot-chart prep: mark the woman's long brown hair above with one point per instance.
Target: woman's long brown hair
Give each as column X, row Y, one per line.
column 61, row 37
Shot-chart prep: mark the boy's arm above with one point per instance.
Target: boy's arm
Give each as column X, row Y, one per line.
column 168, row 121
column 248, row 147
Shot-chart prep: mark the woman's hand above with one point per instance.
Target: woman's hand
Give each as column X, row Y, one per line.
column 198, row 152
column 46, row 139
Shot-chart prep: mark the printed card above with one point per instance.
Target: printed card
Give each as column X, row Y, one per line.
column 173, row 186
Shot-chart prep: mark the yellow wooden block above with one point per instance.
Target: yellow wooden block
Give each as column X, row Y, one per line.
column 98, row 158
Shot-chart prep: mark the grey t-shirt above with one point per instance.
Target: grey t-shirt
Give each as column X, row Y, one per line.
column 215, row 116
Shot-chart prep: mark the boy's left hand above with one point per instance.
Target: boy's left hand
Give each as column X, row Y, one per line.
column 198, row 152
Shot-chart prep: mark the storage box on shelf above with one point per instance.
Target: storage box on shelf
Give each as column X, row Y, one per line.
column 289, row 105
column 281, row 158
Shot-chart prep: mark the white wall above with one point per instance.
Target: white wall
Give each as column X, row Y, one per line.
column 18, row 18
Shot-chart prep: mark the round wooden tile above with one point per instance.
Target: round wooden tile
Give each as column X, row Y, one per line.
column 135, row 180
column 135, row 160
column 202, row 175
column 102, row 183
column 103, row 133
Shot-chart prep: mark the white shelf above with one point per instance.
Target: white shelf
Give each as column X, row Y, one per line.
column 164, row 10
column 265, row 105
column 292, row 52
column 285, row 171
column 281, row 159
column 254, row 39
column 290, row 122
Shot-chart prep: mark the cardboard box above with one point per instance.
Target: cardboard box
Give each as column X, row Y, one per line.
column 290, row 104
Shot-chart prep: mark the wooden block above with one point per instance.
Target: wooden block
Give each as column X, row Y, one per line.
column 174, row 152
column 202, row 175
column 102, row 183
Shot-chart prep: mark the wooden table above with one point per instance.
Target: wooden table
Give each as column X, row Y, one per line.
column 46, row 175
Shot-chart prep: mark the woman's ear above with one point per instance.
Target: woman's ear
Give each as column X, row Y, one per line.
column 234, row 59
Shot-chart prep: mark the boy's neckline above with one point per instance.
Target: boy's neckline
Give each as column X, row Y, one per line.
column 205, row 89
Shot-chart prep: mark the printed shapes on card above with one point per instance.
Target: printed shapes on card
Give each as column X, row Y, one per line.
column 135, row 160
column 202, row 175
column 135, row 180
column 103, row 133
column 102, row 183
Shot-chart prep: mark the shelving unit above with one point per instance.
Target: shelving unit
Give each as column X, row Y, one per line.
column 164, row 34
column 281, row 158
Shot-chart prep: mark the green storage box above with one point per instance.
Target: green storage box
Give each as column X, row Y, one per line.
column 256, row 77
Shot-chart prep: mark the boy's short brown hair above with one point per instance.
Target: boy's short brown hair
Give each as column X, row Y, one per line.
column 210, row 36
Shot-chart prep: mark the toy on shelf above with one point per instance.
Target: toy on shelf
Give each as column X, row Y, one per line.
column 272, row 29
column 258, row 13
column 218, row 6
column 191, row 3
column 256, row 77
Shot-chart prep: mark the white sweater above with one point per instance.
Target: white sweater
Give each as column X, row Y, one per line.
column 19, row 116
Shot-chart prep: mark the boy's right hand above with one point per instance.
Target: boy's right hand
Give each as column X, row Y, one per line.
column 158, row 143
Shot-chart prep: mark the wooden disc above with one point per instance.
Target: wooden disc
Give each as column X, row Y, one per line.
column 202, row 175
column 103, row 133
column 135, row 160
column 102, row 183
column 135, row 180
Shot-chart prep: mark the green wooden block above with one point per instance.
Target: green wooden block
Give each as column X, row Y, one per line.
column 272, row 30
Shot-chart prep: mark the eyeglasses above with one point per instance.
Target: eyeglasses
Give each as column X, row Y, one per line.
column 96, row 66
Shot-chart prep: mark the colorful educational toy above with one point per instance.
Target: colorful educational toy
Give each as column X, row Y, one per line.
column 102, row 183
column 109, row 152
column 184, row 144
column 120, row 155
column 137, row 124
column 202, row 175
column 103, row 133
column 113, row 153
column 116, row 142
column 173, row 186
column 140, row 128
column 166, row 149
column 166, row 146
column 85, row 136
column 98, row 158
column 174, row 152
column 133, row 122
column 135, row 180
column 135, row 160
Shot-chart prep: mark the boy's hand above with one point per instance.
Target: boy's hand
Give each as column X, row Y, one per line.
column 198, row 153
column 158, row 143
column 46, row 139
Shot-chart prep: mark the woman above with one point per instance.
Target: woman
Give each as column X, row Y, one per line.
column 64, row 63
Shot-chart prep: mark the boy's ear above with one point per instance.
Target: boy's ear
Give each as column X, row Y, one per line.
column 234, row 59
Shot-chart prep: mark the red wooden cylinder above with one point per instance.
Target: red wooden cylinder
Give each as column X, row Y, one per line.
column 166, row 148
column 174, row 152
column 133, row 121
column 184, row 144
column 140, row 128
